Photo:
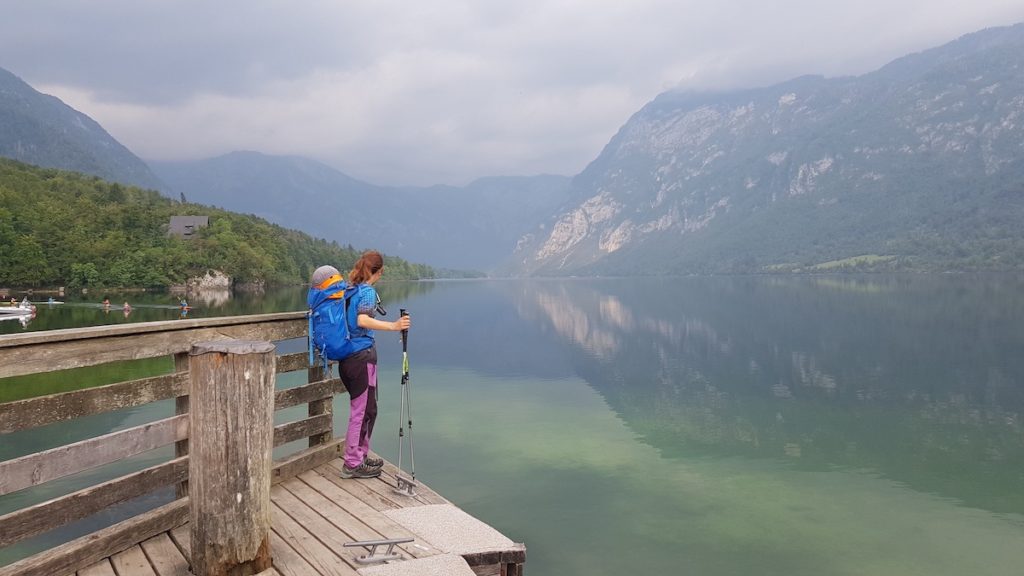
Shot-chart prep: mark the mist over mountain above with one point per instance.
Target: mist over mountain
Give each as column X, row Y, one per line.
column 39, row 129
column 471, row 227
column 917, row 165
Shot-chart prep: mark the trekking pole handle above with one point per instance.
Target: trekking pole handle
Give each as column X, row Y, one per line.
column 405, row 333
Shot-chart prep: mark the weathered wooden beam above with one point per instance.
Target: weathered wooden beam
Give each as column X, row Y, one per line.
column 307, row 459
column 42, row 410
column 324, row 406
column 93, row 332
column 512, row 569
column 305, row 428
column 231, row 452
column 27, row 522
column 35, row 469
column 306, row 393
column 22, row 354
column 292, row 362
column 181, row 407
column 91, row 548
column 513, row 555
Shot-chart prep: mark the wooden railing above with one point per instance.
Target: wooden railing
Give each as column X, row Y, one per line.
column 31, row 353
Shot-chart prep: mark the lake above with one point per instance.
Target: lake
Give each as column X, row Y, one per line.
column 713, row 426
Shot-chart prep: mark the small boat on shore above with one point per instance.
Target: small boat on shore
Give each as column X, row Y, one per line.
column 23, row 309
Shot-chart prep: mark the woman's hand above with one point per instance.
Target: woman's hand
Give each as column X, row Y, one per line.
column 402, row 323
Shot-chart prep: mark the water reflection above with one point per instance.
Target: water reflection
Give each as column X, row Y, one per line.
column 919, row 379
column 22, row 319
column 211, row 297
column 832, row 425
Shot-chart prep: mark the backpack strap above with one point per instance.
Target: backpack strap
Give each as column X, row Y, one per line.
column 309, row 334
column 357, row 291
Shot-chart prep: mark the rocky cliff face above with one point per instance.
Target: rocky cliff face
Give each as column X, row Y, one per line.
column 212, row 280
column 805, row 172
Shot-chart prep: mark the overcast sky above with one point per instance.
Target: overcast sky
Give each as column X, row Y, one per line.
column 437, row 91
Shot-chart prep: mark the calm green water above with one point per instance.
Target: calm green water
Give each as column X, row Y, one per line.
column 818, row 425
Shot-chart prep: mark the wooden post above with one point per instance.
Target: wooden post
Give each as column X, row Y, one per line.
column 231, row 411
column 318, row 407
column 181, row 407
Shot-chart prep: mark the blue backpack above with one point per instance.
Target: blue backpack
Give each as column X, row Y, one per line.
column 330, row 334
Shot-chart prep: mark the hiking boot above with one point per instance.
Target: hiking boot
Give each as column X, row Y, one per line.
column 361, row 471
column 374, row 462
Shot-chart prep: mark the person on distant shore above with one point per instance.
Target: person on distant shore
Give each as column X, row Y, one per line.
column 359, row 371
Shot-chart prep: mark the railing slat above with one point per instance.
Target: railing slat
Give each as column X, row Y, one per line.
column 292, row 362
column 307, row 459
column 27, row 522
column 304, row 428
column 42, row 410
column 181, row 407
column 306, row 393
column 21, row 356
column 132, row 329
column 320, row 407
column 35, row 469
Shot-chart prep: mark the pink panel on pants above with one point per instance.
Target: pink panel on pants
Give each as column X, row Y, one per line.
column 362, row 415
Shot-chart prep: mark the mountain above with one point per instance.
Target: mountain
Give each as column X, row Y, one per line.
column 39, row 129
column 471, row 227
column 66, row 228
column 287, row 190
column 918, row 165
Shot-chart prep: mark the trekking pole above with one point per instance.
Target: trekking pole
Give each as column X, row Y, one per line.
column 405, row 485
column 408, row 395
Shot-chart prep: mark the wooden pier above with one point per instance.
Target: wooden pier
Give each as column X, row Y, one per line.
column 236, row 510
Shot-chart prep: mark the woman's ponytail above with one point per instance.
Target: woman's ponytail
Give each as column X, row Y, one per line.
column 368, row 264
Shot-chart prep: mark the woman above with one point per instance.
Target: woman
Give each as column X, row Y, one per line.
column 359, row 371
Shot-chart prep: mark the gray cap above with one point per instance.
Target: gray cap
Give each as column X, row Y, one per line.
column 323, row 273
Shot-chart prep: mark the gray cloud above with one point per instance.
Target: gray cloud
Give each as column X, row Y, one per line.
column 440, row 92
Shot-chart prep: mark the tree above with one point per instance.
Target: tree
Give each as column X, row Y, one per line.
column 84, row 275
column 29, row 267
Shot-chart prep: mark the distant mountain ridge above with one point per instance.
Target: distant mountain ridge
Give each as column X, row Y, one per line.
column 919, row 165
column 916, row 166
column 39, row 129
column 471, row 227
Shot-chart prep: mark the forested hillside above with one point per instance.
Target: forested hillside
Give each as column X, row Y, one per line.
column 65, row 228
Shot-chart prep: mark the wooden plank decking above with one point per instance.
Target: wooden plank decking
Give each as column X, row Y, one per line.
column 313, row 516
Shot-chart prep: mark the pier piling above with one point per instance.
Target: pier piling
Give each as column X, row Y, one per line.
column 230, row 456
